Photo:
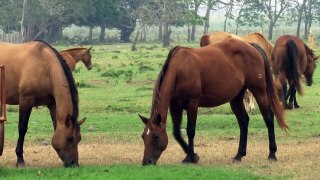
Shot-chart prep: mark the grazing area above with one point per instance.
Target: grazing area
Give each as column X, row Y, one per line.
column 120, row 86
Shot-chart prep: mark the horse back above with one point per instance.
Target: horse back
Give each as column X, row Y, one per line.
column 28, row 70
column 212, row 70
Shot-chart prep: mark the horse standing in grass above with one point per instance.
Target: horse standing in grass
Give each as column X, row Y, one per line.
column 74, row 55
column 250, row 38
column 207, row 77
column 37, row 75
column 292, row 58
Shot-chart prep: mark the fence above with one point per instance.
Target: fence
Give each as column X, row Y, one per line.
column 11, row 38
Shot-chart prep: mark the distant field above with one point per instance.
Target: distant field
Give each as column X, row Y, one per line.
column 118, row 88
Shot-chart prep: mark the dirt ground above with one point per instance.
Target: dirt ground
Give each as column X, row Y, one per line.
column 297, row 160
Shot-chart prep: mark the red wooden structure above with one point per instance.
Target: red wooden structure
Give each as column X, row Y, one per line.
column 2, row 106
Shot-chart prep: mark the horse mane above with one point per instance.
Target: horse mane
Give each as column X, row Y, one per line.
column 73, row 49
column 72, row 86
column 156, row 91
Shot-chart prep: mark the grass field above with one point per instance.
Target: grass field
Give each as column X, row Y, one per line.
column 118, row 88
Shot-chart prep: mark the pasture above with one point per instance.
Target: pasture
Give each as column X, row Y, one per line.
column 118, row 87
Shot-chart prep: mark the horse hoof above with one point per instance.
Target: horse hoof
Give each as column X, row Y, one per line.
column 289, row 106
column 236, row 160
column 20, row 165
column 272, row 159
column 296, row 106
column 189, row 159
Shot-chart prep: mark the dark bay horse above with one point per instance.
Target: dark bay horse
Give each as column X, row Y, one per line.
column 292, row 59
column 37, row 75
column 74, row 55
column 250, row 38
column 207, row 77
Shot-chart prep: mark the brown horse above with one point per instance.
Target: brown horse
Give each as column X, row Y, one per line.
column 192, row 78
column 37, row 75
column 74, row 55
column 251, row 38
column 292, row 58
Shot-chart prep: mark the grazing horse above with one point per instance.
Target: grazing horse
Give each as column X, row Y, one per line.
column 251, row 38
column 192, row 78
column 37, row 75
column 292, row 58
column 74, row 55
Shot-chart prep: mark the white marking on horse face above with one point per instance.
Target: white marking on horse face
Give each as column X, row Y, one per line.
column 259, row 76
column 148, row 132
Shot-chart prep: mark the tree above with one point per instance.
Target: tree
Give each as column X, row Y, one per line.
column 255, row 11
column 209, row 4
column 9, row 15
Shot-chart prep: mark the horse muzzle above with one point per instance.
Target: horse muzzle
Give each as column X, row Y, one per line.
column 149, row 162
column 71, row 164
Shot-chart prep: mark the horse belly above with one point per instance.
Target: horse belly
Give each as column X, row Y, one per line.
column 220, row 92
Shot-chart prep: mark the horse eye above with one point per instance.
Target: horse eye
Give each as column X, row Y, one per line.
column 155, row 137
column 70, row 139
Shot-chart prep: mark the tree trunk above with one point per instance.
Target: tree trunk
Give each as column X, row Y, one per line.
column 270, row 30
column 135, row 41
column 206, row 26
column 22, row 30
column 193, row 32
column 166, row 35
column 189, row 34
column 160, row 32
column 90, row 34
column 302, row 8
column 102, row 33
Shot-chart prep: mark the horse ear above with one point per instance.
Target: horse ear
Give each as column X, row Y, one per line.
column 82, row 121
column 68, row 121
column 89, row 49
column 144, row 119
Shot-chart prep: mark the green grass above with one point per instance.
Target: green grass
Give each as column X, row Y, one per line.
column 129, row 172
column 118, row 88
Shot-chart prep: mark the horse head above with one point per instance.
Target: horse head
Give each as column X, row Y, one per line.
column 155, row 139
column 87, row 58
column 65, row 141
column 311, row 65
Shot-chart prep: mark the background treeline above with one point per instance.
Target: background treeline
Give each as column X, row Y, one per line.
column 46, row 19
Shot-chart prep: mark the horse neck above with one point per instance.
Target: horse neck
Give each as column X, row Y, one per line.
column 61, row 93
column 76, row 54
column 162, row 97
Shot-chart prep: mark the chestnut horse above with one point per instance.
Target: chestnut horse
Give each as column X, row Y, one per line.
column 251, row 38
column 292, row 58
column 207, row 77
column 74, row 55
column 37, row 75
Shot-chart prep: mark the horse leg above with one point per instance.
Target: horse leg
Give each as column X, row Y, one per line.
column 284, row 95
column 176, row 114
column 291, row 96
column 251, row 102
column 295, row 102
column 238, row 109
column 24, row 114
column 52, row 109
column 268, row 117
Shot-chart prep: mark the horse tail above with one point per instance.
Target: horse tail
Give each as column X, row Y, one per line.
column 292, row 65
column 271, row 92
column 204, row 41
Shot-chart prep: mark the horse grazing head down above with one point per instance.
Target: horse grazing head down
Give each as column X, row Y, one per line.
column 311, row 65
column 155, row 139
column 65, row 141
